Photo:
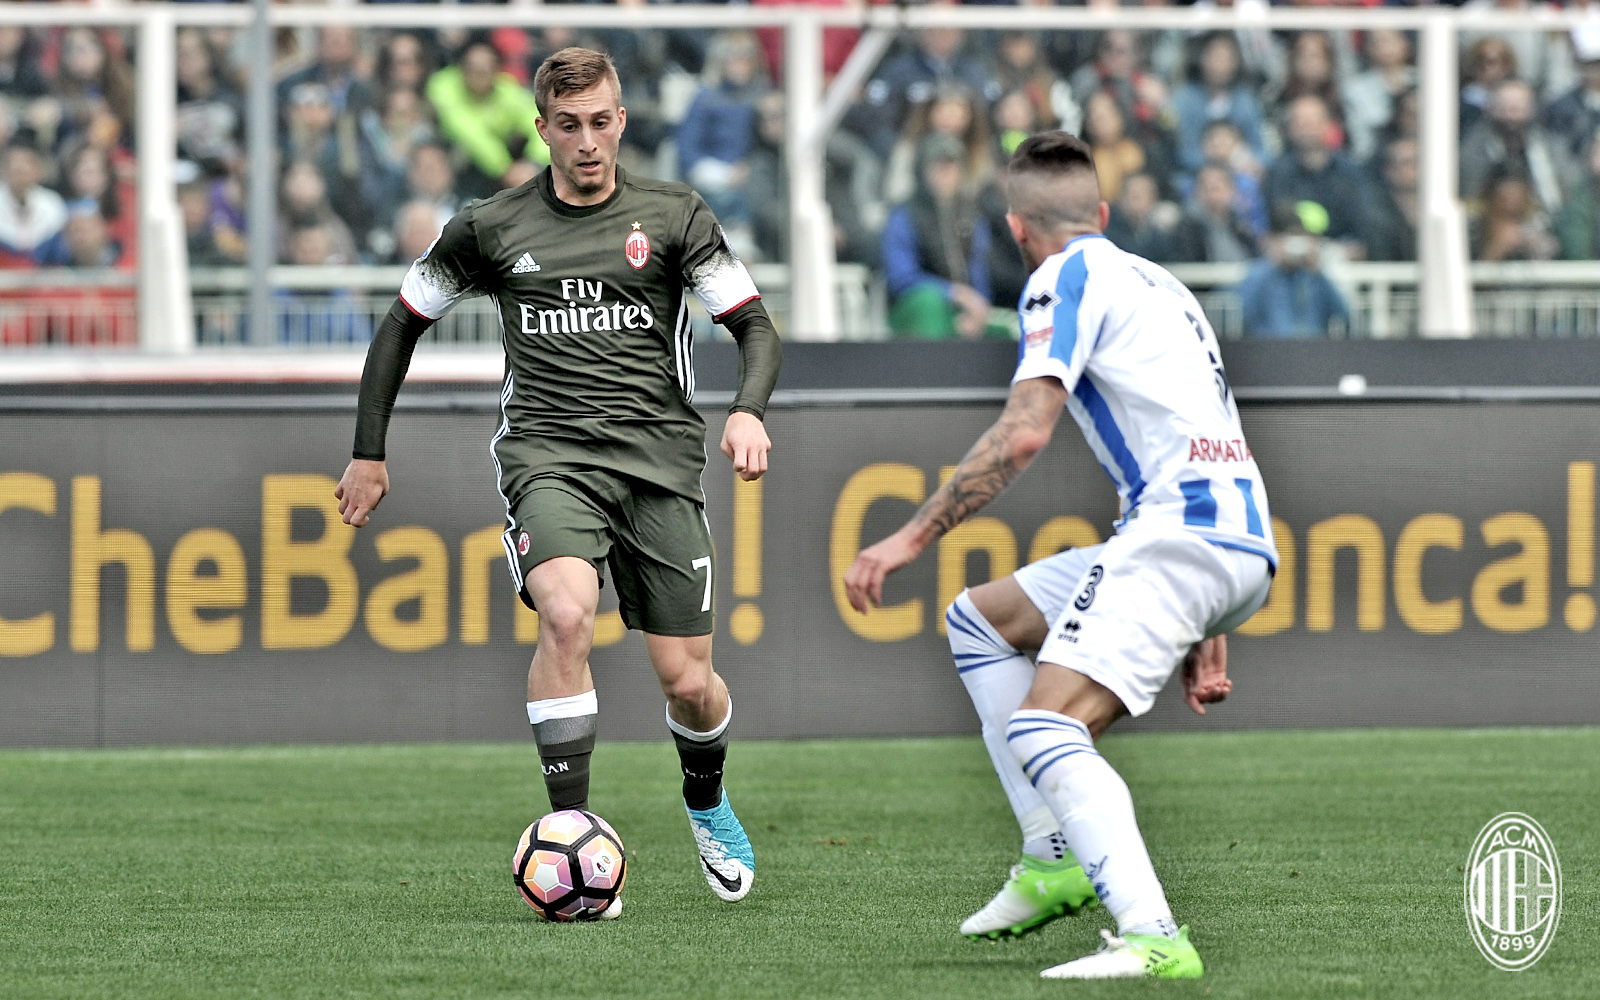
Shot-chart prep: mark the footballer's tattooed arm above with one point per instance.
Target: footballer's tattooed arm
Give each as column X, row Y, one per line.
column 999, row 457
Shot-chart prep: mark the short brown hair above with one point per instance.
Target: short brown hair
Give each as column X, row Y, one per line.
column 1035, row 179
column 1053, row 152
column 572, row 71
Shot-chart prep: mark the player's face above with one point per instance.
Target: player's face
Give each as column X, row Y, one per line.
column 583, row 131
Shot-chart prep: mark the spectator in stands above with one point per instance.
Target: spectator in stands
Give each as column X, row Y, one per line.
column 84, row 241
column 1508, row 139
column 953, row 110
column 1141, row 96
column 404, row 63
column 1576, row 114
column 1488, row 63
column 210, row 121
column 768, row 189
column 936, row 250
column 1115, row 154
column 1140, row 224
column 94, row 89
column 390, row 135
column 1313, row 169
column 318, row 134
column 1014, row 120
column 319, row 317
column 1313, row 72
column 491, row 117
column 1285, row 295
column 194, row 203
column 718, row 131
column 1542, row 57
column 21, row 70
column 30, row 213
column 416, row 226
column 303, row 203
column 1216, row 93
column 86, row 173
column 335, row 70
column 1512, row 225
column 1369, row 96
column 1224, row 147
column 1578, row 226
column 910, row 79
column 1396, row 208
column 432, row 179
column 1212, row 231
column 1022, row 69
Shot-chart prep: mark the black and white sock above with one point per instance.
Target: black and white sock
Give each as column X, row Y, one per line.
column 563, row 730
column 702, row 756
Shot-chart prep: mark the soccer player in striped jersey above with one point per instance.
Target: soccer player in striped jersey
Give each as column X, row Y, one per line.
column 599, row 450
column 1125, row 348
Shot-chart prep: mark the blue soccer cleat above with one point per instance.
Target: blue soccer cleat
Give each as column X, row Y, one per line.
column 725, row 853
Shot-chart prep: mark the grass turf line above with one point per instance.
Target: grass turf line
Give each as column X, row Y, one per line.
column 1322, row 864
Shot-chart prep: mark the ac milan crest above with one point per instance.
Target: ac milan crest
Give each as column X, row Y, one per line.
column 637, row 248
column 522, row 544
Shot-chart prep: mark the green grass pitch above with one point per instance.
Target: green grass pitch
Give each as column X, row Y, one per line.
column 1322, row 864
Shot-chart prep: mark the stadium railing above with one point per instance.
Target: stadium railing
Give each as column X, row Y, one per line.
column 1441, row 295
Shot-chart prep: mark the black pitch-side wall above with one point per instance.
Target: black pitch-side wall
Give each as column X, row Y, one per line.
column 1469, row 527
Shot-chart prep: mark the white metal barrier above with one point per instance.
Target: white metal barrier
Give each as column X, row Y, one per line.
column 1445, row 286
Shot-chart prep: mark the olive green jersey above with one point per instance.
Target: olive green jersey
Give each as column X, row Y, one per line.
column 593, row 315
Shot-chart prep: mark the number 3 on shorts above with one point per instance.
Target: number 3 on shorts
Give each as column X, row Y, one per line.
column 704, row 562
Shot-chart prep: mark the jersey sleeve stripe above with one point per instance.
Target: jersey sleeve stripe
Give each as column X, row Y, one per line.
column 1070, row 283
column 747, row 300
column 1105, row 426
column 413, row 309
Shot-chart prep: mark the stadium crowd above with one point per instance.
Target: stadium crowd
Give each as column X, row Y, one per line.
column 1282, row 151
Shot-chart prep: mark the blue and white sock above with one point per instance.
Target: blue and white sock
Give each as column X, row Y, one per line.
column 1095, row 810
column 998, row 677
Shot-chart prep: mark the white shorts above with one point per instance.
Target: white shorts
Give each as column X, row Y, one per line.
column 1125, row 613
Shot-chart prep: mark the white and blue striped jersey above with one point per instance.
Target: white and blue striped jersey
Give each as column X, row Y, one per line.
column 1132, row 347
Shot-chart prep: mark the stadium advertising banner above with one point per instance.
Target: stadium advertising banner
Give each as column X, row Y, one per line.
column 184, row 577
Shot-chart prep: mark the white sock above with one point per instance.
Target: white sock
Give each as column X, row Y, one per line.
column 1092, row 803
column 998, row 677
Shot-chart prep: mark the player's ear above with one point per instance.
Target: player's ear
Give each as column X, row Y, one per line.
column 622, row 118
column 543, row 127
column 1105, row 216
column 1018, row 233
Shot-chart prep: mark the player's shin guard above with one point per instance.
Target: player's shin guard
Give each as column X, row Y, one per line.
column 1092, row 803
column 702, row 756
column 997, row 677
column 563, row 729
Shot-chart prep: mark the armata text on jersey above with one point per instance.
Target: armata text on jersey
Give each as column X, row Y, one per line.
column 1133, row 348
column 599, row 354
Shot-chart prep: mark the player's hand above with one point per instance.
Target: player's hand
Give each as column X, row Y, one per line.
column 363, row 487
column 863, row 584
column 1205, row 673
column 745, row 442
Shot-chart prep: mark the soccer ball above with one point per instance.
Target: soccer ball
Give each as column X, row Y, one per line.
column 569, row 865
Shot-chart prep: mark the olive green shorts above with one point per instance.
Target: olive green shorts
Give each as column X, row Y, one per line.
column 656, row 543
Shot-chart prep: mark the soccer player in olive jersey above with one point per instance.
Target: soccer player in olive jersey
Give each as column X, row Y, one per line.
column 599, row 451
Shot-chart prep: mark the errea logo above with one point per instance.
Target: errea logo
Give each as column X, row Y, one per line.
column 1512, row 891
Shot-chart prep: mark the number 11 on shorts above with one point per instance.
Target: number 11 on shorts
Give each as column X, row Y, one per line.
column 704, row 562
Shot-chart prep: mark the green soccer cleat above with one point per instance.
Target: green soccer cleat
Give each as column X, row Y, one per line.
column 1036, row 893
column 1135, row 956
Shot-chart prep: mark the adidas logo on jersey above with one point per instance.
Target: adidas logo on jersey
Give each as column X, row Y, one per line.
column 525, row 265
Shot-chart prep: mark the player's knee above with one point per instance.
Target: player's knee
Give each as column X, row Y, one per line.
column 692, row 687
column 566, row 622
column 967, row 629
